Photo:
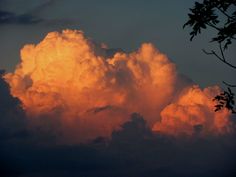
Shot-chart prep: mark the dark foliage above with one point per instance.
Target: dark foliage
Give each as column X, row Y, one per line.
column 221, row 16
column 205, row 15
column 225, row 99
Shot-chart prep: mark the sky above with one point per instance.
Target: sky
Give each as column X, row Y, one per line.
column 119, row 24
column 110, row 89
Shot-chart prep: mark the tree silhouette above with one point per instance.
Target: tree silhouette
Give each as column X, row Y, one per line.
column 221, row 16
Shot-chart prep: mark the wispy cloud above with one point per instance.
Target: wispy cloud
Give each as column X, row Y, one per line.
column 29, row 17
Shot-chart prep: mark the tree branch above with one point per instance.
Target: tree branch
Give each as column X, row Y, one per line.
column 222, row 53
column 229, row 85
column 223, row 12
column 213, row 26
column 220, row 58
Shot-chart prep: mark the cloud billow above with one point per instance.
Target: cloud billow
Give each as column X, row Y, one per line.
column 91, row 94
column 73, row 107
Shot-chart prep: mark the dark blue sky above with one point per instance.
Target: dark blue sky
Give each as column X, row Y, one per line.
column 120, row 24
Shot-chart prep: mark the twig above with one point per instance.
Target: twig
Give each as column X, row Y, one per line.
column 222, row 53
column 223, row 12
column 220, row 58
column 229, row 85
column 213, row 26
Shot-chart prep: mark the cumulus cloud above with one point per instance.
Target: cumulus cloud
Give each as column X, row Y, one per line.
column 92, row 91
column 192, row 113
column 73, row 107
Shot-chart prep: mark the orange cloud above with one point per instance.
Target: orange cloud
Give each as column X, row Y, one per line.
column 68, row 76
column 193, row 111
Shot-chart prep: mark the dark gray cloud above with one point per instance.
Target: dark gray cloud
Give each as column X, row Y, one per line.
column 26, row 18
column 23, row 19
column 99, row 109
column 132, row 151
column 12, row 124
column 12, row 119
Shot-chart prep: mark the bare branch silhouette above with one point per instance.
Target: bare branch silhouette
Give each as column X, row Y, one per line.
column 229, row 85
